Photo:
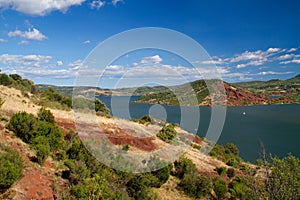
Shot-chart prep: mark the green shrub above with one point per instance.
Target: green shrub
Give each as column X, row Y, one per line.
column 184, row 166
column 126, row 147
column 220, row 187
column 195, row 186
column 42, row 148
column 230, row 172
column 221, row 171
column 167, row 133
column 231, row 148
column 45, row 115
column 22, row 124
column 10, row 168
column 5, row 80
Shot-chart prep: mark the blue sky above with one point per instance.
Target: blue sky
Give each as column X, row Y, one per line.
column 247, row 40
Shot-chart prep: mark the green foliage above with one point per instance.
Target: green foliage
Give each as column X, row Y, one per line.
column 42, row 135
column 230, row 148
column 195, row 186
column 220, row 187
column 126, row 147
column 15, row 77
column 221, row 171
column 284, row 181
column 22, row 124
column 88, row 105
column 167, row 133
column 10, row 168
column 184, row 166
column 45, row 115
column 41, row 146
column 51, row 98
column 230, row 172
column 5, row 80
column 228, row 154
column 242, row 187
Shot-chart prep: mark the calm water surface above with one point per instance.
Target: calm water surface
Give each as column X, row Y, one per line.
column 276, row 126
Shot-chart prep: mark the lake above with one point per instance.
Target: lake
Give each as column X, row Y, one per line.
column 277, row 127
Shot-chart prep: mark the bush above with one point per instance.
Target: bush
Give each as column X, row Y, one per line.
column 221, row 171
column 231, row 148
column 5, row 80
column 195, row 186
column 184, row 166
column 22, row 124
column 10, row 168
column 220, row 188
column 46, row 115
column 42, row 149
column 167, row 133
column 230, row 172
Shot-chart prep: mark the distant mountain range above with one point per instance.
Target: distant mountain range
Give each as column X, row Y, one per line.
column 235, row 94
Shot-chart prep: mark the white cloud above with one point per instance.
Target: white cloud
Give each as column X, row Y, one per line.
column 292, row 50
column 33, row 34
column 273, row 50
column 59, row 63
column 2, row 40
column 97, row 4
column 286, row 56
column 39, row 7
column 115, row 2
column 87, row 42
column 296, row 61
column 273, row 73
column 151, row 59
column 213, row 62
column 24, row 60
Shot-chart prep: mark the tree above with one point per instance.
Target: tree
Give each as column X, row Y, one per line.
column 284, row 180
column 230, row 172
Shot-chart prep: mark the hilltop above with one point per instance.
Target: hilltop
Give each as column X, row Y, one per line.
column 232, row 95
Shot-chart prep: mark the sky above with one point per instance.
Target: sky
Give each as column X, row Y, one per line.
column 48, row 41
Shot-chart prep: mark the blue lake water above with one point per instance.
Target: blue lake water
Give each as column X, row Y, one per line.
column 277, row 127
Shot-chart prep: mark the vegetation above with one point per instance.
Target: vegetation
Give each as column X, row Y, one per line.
column 42, row 134
column 87, row 105
column 10, row 168
column 228, row 154
column 220, row 187
column 167, row 133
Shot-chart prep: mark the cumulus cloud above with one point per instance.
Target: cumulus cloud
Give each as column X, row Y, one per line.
column 59, row 63
column 97, row 4
column 292, row 50
column 31, row 34
column 151, row 59
column 2, row 40
column 285, row 57
column 39, row 7
column 24, row 60
column 273, row 50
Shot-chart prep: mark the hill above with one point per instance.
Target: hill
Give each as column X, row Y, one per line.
column 289, row 88
column 51, row 162
column 232, row 95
